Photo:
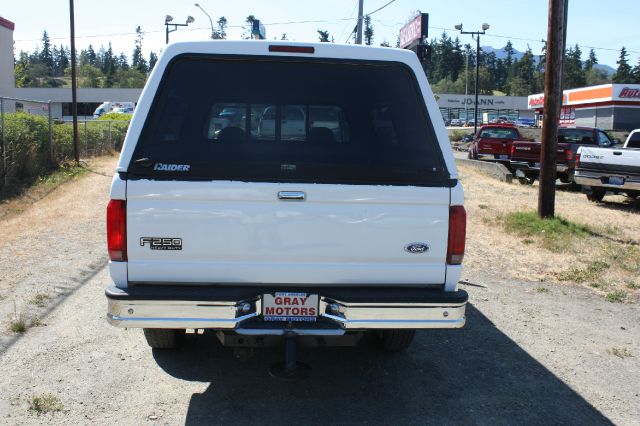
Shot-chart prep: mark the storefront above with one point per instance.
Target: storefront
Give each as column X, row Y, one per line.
column 489, row 107
column 607, row 106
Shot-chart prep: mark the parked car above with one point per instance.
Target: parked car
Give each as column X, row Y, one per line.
column 260, row 239
column 456, row 122
column 493, row 142
column 525, row 156
column 610, row 169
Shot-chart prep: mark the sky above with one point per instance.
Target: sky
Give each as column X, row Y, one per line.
column 592, row 23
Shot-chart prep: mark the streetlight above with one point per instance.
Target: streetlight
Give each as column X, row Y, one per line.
column 167, row 22
column 485, row 27
column 210, row 21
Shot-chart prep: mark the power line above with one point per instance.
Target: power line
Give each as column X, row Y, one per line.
column 380, row 8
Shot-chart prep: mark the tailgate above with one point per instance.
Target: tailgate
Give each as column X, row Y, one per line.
column 234, row 232
column 610, row 160
column 494, row 146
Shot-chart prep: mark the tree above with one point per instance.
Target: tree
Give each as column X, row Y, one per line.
column 123, row 64
column 284, row 36
column 137, row 60
column 323, row 36
column 46, row 56
column 636, row 73
column 221, row 32
column 573, row 73
column 153, row 59
column 623, row 73
column 249, row 20
column 368, row 31
column 88, row 76
column 591, row 61
column 91, row 55
column 385, row 44
column 129, row 78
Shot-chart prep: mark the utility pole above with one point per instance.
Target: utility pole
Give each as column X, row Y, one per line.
column 74, row 97
column 556, row 32
column 360, row 19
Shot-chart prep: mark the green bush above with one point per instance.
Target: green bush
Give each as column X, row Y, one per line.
column 118, row 116
column 27, row 142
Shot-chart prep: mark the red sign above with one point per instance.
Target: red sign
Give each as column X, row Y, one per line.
column 628, row 92
column 536, row 101
column 411, row 32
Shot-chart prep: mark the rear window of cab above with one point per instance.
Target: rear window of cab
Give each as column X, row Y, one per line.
column 290, row 120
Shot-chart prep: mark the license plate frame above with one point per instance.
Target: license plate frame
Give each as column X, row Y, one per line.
column 503, row 157
column 284, row 306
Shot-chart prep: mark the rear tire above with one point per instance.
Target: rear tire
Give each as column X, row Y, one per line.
column 596, row 195
column 395, row 340
column 161, row 338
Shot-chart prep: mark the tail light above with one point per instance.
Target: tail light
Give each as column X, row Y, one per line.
column 568, row 154
column 513, row 150
column 291, row 49
column 117, row 230
column 457, row 234
column 577, row 160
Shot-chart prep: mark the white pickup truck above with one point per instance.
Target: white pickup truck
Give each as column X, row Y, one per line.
column 355, row 228
column 613, row 169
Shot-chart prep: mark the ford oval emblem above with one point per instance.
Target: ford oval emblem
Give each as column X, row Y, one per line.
column 416, row 248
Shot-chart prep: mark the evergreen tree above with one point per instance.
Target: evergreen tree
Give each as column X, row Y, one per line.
column 573, row 73
column 249, row 21
column 123, row 64
column 91, row 55
column 46, row 56
column 323, row 36
column 153, row 59
column 284, row 36
column 221, row 32
column 137, row 60
column 623, row 73
column 368, row 31
column 591, row 61
column 635, row 73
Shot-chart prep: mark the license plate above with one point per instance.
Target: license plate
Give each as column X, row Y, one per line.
column 536, row 165
column 285, row 306
column 504, row 157
column 614, row 180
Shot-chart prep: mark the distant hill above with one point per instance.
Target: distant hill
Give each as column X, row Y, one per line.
column 501, row 54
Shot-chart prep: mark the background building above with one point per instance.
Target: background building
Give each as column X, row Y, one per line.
column 7, row 78
column 607, row 106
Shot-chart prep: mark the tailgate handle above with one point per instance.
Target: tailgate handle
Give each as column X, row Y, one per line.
column 617, row 153
column 291, row 195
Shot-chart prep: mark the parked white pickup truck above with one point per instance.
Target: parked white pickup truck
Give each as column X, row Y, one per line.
column 354, row 228
column 615, row 170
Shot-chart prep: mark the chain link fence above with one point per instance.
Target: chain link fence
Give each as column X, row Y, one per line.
column 33, row 141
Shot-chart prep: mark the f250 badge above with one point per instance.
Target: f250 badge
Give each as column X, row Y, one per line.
column 161, row 243
column 416, row 248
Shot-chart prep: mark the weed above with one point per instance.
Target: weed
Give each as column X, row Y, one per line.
column 617, row 296
column 556, row 233
column 45, row 403
column 39, row 300
column 590, row 273
column 528, row 241
column 633, row 286
column 18, row 325
column 620, row 352
column 598, row 284
column 542, row 290
column 483, row 206
column 487, row 220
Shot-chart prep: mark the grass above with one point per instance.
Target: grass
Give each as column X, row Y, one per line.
column 556, row 234
column 633, row 286
column 591, row 273
column 542, row 290
column 39, row 187
column 483, row 206
column 39, row 300
column 620, row 352
column 18, row 325
column 45, row 403
column 617, row 296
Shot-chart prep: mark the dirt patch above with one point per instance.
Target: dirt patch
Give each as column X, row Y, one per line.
column 50, row 246
column 607, row 261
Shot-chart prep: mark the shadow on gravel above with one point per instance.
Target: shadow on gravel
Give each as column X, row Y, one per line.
column 472, row 376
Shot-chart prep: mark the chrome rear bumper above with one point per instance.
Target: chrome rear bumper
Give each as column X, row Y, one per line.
column 446, row 310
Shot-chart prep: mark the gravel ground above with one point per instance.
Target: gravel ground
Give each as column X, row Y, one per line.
column 526, row 356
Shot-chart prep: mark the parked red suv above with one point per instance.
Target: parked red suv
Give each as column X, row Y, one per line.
column 493, row 142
